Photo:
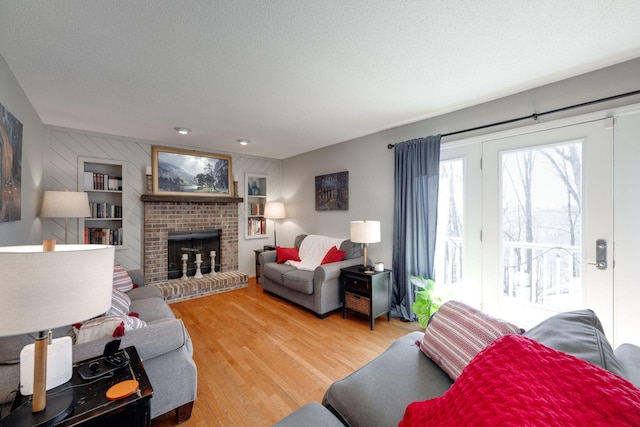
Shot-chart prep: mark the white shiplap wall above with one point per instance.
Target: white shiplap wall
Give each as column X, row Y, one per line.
column 64, row 149
column 61, row 173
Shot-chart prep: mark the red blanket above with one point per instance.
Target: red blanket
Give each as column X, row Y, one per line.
column 516, row 381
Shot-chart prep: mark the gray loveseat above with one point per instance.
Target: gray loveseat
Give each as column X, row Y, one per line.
column 378, row 393
column 163, row 345
column 318, row 290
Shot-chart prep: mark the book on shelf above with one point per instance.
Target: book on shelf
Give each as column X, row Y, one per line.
column 99, row 181
column 103, row 236
column 105, row 210
column 256, row 209
column 256, row 226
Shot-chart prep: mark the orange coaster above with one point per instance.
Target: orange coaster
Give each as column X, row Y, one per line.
column 122, row 390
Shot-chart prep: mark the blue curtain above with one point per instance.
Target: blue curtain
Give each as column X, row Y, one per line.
column 417, row 172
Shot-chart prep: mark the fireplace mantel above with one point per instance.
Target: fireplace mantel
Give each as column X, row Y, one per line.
column 189, row 199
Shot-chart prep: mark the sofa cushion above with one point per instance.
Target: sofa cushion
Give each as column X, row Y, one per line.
column 377, row 394
column 518, row 381
column 298, row 240
column 152, row 309
column 310, row 415
column 286, row 254
column 628, row 355
column 275, row 272
column 352, row 250
column 578, row 333
column 458, row 332
column 145, row 291
column 299, row 280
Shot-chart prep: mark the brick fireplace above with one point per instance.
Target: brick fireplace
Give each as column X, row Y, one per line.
column 183, row 213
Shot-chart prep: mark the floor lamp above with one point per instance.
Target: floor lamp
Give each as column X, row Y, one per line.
column 46, row 289
column 274, row 211
column 365, row 232
column 65, row 204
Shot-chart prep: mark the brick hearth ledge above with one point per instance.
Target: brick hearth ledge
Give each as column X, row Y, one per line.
column 181, row 289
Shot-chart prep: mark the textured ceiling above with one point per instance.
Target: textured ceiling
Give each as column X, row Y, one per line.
column 293, row 76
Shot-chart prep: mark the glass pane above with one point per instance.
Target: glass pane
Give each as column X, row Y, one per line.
column 541, row 226
column 448, row 256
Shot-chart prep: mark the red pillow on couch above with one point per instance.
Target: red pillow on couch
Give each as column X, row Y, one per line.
column 333, row 255
column 287, row 254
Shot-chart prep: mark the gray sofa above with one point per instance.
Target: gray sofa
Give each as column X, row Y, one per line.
column 163, row 345
column 378, row 393
column 319, row 290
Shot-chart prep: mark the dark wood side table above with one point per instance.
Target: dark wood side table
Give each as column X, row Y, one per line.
column 366, row 293
column 258, row 252
column 91, row 406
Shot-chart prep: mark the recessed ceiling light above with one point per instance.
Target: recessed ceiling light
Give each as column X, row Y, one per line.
column 182, row 131
column 243, row 141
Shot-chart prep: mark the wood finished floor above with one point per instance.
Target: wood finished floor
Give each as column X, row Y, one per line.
column 259, row 357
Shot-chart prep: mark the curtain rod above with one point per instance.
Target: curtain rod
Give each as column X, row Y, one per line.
column 535, row 116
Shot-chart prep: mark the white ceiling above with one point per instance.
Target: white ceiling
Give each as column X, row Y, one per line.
column 295, row 75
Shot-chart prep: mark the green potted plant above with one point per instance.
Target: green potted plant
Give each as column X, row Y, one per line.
column 426, row 303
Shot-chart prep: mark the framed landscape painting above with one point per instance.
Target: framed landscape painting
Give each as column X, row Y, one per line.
column 193, row 173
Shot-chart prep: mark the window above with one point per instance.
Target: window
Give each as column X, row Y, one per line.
column 449, row 248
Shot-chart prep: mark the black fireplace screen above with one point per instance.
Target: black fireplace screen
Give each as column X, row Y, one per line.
column 191, row 243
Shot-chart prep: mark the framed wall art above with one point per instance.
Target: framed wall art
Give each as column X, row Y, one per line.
column 10, row 166
column 332, row 192
column 193, row 173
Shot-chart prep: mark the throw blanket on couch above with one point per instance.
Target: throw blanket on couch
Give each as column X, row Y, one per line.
column 517, row 381
column 313, row 249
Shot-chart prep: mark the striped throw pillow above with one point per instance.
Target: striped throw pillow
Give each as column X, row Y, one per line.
column 120, row 303
column 105, row 327
column 458, row 332
column 121, row 279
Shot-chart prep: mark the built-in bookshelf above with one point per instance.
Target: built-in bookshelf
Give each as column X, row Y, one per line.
column 255, row 199
column 102, row 180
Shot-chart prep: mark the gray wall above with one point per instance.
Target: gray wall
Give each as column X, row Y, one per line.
column 370, row 167
column 370, row 163
column 29, row 229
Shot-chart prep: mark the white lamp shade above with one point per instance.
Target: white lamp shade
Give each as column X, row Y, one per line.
column 365, row 231
column 45, row 290
column 274, row 210
column 65, row 204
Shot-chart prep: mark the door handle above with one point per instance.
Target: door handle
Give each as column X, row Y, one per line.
column 601, row 254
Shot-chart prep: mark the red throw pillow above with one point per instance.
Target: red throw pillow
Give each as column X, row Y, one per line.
column 333, row 255
column 287, row 254
column 517, row 381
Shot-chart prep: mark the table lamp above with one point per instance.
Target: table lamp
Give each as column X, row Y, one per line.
column 45, row 289
column 65, row 204
column 274, row 210
column 365, row 232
